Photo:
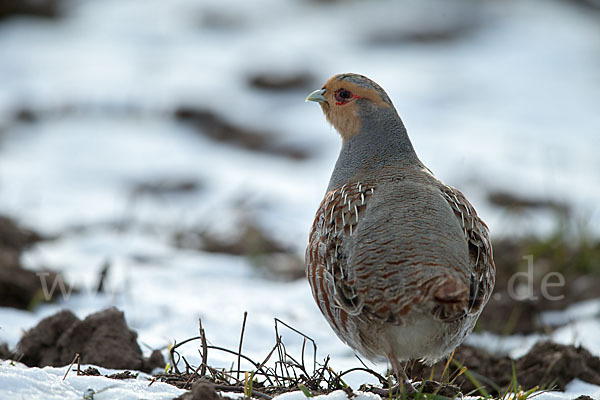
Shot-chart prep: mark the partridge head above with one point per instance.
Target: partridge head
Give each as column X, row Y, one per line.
column 399, row 263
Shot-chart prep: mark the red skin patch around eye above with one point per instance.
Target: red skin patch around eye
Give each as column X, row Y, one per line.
column 341, row 103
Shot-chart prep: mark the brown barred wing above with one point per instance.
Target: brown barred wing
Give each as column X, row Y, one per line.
column 476, row 234
column 332, row 285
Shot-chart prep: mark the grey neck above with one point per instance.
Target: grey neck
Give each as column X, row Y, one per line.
column 381, row 144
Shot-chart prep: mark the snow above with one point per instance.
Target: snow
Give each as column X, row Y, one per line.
column 19, row 381
column 512, row 105
column 580, row 311
column 577, row 325
column 573, row 390
column 581, row 333
column 489, row 90
column 336, row 395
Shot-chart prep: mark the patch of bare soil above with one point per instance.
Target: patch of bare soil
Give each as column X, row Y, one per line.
column 546, row 365
column 251, row 239
column 101, row 339
column 537, row 274
column 275, row 259
column 457, row 23
column 219, row 129
column 562, row 272
column 514, row 202
column 165, row 187
column 276, row 81
column 19, row 287
column 50, row 9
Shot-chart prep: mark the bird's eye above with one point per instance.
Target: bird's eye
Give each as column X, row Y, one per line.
column 343, row 95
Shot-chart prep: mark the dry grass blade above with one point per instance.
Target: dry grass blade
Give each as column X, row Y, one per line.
column 306, row 337
column 71, row 365
column 240, row 347
column 204, row 348
column 269, row 377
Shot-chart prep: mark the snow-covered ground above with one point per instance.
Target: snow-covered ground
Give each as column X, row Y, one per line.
column 510, row 104
column 49, row 383
column 20, row 382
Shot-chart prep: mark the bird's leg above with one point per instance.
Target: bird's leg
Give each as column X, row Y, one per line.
column 401, row 375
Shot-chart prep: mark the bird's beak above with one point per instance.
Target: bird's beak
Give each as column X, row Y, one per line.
column 317, row 96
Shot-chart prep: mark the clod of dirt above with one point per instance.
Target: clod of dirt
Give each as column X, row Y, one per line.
column 279, row 82
column 21, row 288
column 201, row 390
column 122, row 375
column 204, row 391
column 50, row 9
column 101, row 339
column 14, row 237
column 545, row 364
column 38, row 346
column 91, row 371
column 156, row 360
column 211, row 125
column 549, row 362
column 5, row 353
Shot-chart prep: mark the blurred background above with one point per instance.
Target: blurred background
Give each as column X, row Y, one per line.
column 164, row 148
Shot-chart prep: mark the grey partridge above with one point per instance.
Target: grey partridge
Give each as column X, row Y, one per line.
column 398, row 262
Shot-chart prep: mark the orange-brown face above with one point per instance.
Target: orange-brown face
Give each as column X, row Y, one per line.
column 339, row 101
